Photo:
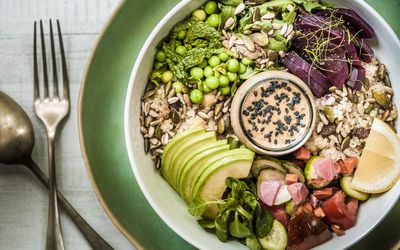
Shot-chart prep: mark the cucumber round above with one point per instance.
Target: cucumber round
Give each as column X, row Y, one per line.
column 309, row 173
column 345, row 183
column 289, row 207
column 277, row 238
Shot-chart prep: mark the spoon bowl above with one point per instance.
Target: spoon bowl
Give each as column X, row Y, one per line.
column 16, row 132
column 16, row 144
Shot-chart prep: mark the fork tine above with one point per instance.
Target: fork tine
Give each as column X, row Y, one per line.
column 64, row 64
column 35, row 66
column 53, row 57
column 45, row 78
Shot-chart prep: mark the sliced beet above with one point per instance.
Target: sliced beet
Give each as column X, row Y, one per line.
column 311, row 76
column 310, row 22
column 354, row 20
column 306, row 231
column 335, row 67
column 366, row 53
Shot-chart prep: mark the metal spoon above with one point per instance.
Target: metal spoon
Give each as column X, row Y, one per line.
column 16, row 145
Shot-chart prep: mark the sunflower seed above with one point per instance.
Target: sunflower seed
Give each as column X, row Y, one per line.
column 271, row 33
column 149, row 119
column 276, row 26
column 334, row 138
column 154, row 114
column 228, row 101
column 381, row 71
column 225, row 43
column 173, row 100
column 141, row 119
column 143, row 130
column 319, row 127
column 339, row 127
column 221, row 126
column 187, row 100
column 158, row 151
column 154, row 141
column 248, row 43
column 151, row 131
column 289, row 30
column 156, row 122
column 171, row 93
column 217, row 108
column 225, row 109
column 385, row 115
column 267, row 16
column 290, row 36
column 282, row 54
column 284, row 29
column 164, row 139
column 146, row 146
column 289, row 7
column 146, row 108
column 323, row 119
column 168, row 87
column 203, row 115
column 239, row 8
column 229, row 23
column 247, row 32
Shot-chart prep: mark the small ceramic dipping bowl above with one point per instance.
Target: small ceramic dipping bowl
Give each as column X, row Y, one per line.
column 273, row 113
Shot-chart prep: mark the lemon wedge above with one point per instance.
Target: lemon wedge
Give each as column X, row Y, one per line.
column 379, row 166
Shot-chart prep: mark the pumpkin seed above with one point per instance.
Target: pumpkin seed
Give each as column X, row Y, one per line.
column 366, row 83
column 272, row 55
column 387, row 82
column 260, row 38
column 256, row 15
column 328, row 110
column 175, row 116
column 381, row 71
column 345, row 143
column 369, row 109
column 221, row 126
column 381, row 98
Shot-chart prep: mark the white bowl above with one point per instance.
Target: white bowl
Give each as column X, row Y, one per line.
column 169, row 205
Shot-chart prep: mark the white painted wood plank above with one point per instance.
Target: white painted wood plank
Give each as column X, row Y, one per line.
column 23, row 201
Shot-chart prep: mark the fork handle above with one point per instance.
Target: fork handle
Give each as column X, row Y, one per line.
column 94, row 239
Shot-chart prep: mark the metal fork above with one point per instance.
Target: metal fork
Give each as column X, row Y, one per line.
column 51, row 110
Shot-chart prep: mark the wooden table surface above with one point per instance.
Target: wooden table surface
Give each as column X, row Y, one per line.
column 23, row 200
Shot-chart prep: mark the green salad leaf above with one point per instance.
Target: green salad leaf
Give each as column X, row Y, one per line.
column 238, row 229
column 263, row 222
column 231, row 2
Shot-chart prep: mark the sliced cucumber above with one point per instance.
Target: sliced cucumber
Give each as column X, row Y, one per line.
column 289, row 207
column 294, row 169
column 345, row 183
column 277, row 238
column 309, row 173
column 267, row 163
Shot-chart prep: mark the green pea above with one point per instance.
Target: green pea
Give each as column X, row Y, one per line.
column 196, row 96
column 213, row 20
column 212, row 82
column 208, row 71
column 233, row 65
column 178, row 43
column 196, row 72
column 210, row 7
column 203, row 64
column 181, row 34
column 167, row 76
column 232, row 76
column 178, row 87
column 225, row 90
column 214, row 61
column 247, row 61
column 181, row 50
column 160, row 56
column 242, row 68
column 158, row 65
column 223, row 81
column 206, row 89
column 199, row 14
column 223, row 56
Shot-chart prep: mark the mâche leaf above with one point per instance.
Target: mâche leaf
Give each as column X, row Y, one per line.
column 238, row 229
column 197, row 207
column 263, row 222
column 252, row 243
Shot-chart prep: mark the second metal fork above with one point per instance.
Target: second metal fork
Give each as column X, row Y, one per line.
column 51, row 110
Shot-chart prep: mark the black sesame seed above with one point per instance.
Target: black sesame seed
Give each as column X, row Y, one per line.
column 275, row 142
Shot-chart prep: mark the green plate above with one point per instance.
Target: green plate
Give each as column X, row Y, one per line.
column 101, row 109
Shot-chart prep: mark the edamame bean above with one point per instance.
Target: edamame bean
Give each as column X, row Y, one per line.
column 225, row 90
column 196, row 72
column 214, row 61
column 223, row 81
column 181, row 50
column 199, row 14
column 210, row 7
column 208, row 71
column 167, row 76
column 233, row 65
column 213, row 20
column 160, row 56
column 212, row 82
column 196, row 96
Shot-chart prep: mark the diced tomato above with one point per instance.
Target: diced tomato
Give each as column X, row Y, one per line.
column 308, row 206
column 338, row 230
column 350, row 164
column 319, row 212
column 323, row 194
column 338, row 212
column 302, row 154
column 291, row 178
column 279, row 213
column 342, row 167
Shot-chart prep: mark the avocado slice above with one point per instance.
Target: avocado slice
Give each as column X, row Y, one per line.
column 190, row 169
column 186, row 148
column 174, row 143
column 175, row 179
column 211, row 184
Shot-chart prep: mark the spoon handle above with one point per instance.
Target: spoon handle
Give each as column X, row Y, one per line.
column 94, row 239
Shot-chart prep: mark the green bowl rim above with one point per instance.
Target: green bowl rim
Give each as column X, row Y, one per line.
column 82, row 89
